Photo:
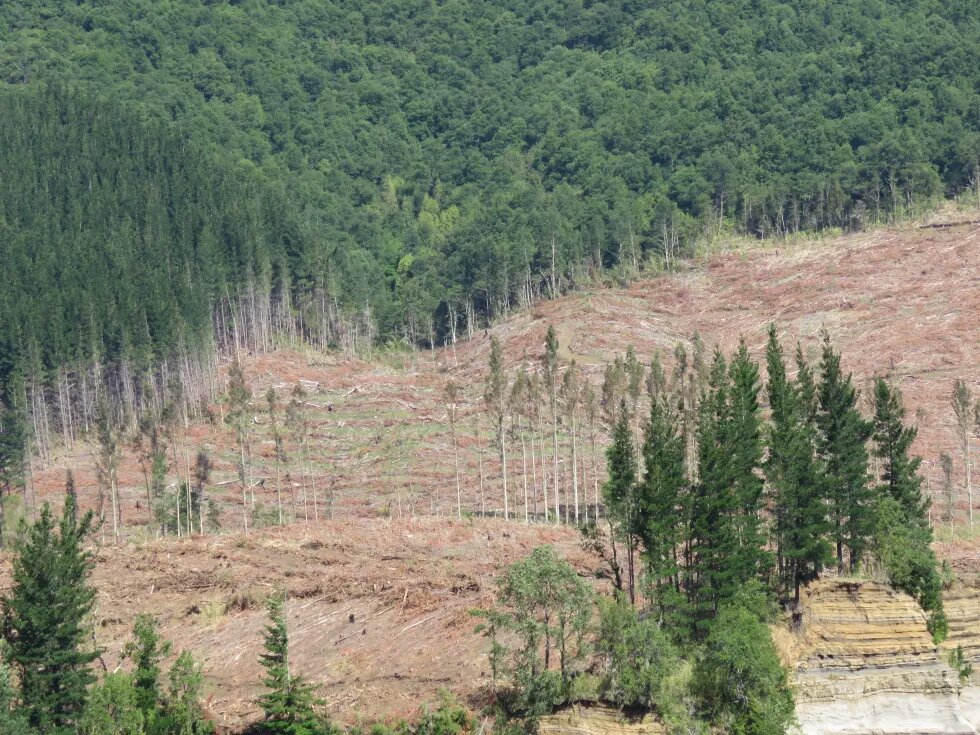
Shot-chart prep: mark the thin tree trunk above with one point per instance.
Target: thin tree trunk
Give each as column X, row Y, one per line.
column 574, row 469
column 524, row 461
column 503, row 464
column 479, row 454
column 452, row 424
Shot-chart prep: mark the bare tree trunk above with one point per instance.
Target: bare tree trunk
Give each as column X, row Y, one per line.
column 554, row 452
column 534, row 475
column 452, row 424
column 241, row 477
column 479, row 454
column 524, row 461
column 574, row 469
column 503, row 463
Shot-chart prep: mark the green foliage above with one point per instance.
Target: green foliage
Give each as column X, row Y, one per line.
column 114, row 708
column 44, row 620
column 738, row 677
column 958, row 660
column 354, row 151
column 903, row 536
column 547, row 606
column 725, row 532
column 637, row 654
column 844, row 458
column 288, row 705
column 180, row 711
column 793, row 473
column 12, row 718
column 662, row 498
column 146, row 650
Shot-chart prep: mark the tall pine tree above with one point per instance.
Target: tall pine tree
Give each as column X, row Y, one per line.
column 902, row 534
column 662, row 499
column 792, row 472
column 619, row 492
column 844, row 455
column 44, row 619
column 288, row 705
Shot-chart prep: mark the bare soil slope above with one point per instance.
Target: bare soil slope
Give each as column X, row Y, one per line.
column 900, row 302
column 379, row 611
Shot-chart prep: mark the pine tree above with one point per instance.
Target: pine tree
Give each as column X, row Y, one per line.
column 288, row 705
column 899, row 478
column 146, row 650
column 745, row 448
column 44, row 619
column 661, row 499
column 902, row 534
column 844, row 456
column 619, row 492
column 13, row 447
column 792, row 472
column 713, row 540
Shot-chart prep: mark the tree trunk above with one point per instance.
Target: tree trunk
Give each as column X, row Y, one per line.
column 574, row 469
column 452, row 424
column 503, row 463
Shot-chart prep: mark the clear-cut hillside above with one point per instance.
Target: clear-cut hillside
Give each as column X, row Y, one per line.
column 905, row 302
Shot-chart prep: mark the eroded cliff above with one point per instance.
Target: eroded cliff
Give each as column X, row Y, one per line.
column 864, row 662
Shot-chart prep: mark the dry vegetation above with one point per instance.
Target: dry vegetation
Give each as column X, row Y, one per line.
column 902, row 302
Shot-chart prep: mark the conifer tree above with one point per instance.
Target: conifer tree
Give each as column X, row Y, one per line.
column 713, row 541
column 44, row 619
column 745, row 448
column 844, row 457
column 146, row 650
column 619, row 492
column 899, row 478
column 661, row 499
column 13, row 444
column 902, row 534
column 288, row 705
column 792, row 472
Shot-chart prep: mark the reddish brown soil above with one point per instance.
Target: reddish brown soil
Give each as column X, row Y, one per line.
column 408, row 587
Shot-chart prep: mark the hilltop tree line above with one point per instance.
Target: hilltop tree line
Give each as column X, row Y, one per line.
column 345, row 173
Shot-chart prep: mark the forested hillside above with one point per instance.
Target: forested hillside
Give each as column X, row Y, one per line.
column 390, row 169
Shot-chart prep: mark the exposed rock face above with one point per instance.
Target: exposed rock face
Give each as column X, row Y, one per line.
column 865, row 663
column 580, row 719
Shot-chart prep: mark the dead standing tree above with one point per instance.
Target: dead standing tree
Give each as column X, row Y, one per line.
column 496, row 400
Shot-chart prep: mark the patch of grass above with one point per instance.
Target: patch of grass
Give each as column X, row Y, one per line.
column 211, row 611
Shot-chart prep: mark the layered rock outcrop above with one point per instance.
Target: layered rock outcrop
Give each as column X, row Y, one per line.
column 580, row 719
column 865, row 663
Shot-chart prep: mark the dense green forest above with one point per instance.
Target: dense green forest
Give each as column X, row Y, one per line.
column 401, row 169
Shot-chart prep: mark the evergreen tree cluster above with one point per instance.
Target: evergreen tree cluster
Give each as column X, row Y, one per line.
column 47, row 682
column 740, row 496
column 415, row 163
